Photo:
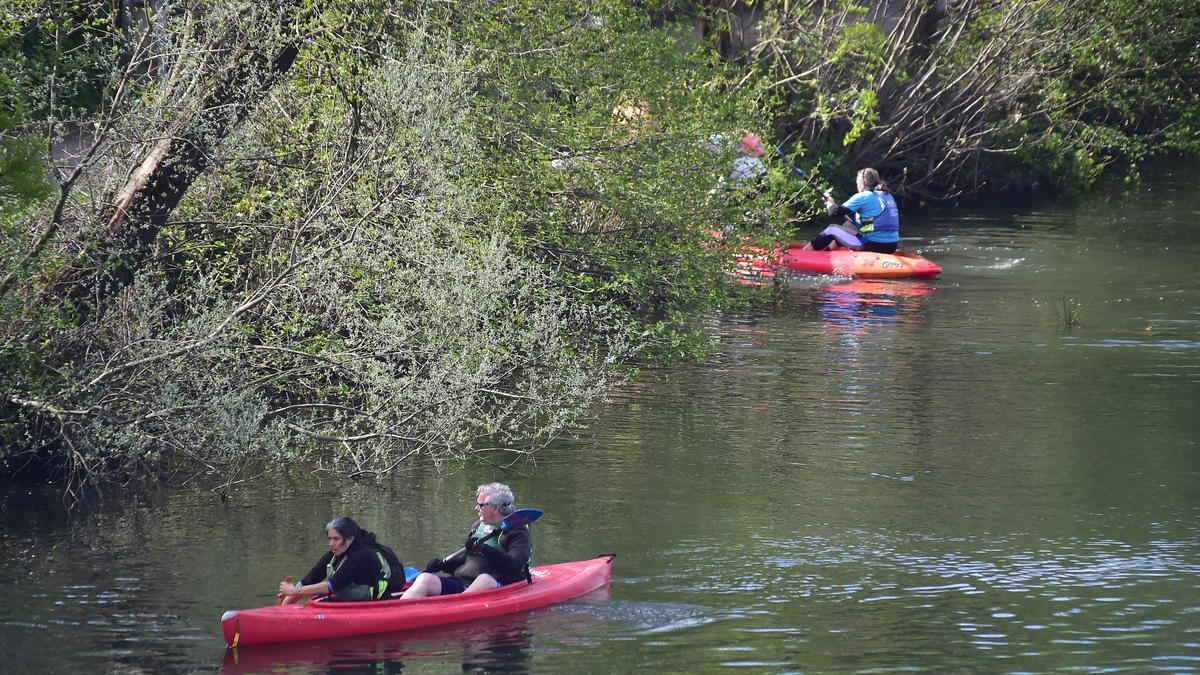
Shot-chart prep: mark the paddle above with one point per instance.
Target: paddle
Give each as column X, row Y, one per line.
column 807, row 180
column 518, row 518
column 279, row 598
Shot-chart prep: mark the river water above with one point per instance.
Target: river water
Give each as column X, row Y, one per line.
column 865, row 476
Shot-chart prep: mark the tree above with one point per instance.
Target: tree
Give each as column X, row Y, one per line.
column 596, row 117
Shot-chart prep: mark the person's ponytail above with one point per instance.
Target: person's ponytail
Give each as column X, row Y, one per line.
column 871, row 180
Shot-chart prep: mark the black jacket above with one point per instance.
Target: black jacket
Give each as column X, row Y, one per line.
column 358, row 566
column 505, row 566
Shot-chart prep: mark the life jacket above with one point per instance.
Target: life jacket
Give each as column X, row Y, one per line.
column 356, row 592
column 483, row 530
column 887, row 223
column 474, row 563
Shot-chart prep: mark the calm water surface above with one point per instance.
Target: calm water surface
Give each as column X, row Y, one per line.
column 867, row 476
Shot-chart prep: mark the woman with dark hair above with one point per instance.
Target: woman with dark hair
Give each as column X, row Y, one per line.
column 357, row 567
column 872, row 221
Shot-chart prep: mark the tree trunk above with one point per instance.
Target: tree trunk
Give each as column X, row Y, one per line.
column 171, row 165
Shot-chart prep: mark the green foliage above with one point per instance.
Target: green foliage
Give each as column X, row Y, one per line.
column 593, row 121
column 57, row 59
column 1057, row 163
column 22, row 177
column 1123, row 87
column 863, row 115
column 383, row 259
column 997, row 93
column 450, row 228
column 54, row 62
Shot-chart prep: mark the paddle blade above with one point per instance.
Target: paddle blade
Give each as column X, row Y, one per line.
column 519, row 518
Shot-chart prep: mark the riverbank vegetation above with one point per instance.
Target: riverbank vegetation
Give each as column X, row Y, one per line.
column 370, row 232
column 955, row 97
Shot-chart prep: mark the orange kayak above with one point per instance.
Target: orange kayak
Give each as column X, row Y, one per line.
column 863, row 264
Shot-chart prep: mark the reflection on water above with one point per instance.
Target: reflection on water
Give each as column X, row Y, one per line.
column 498, row 645
column 853, row 307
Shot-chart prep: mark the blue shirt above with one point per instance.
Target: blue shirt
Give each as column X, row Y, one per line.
column 877, row 216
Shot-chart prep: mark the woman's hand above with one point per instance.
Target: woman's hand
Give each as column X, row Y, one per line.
column 287, row 592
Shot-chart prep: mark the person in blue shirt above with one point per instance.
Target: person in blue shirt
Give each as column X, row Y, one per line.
column 872, row 221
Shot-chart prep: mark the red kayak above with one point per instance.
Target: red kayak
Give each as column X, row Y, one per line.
column 320, row 619
column 483, row 642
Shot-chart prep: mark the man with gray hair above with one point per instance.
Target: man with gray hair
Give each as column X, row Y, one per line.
column 491, row 558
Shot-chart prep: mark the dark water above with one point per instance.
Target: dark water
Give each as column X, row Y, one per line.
column 934, row 476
